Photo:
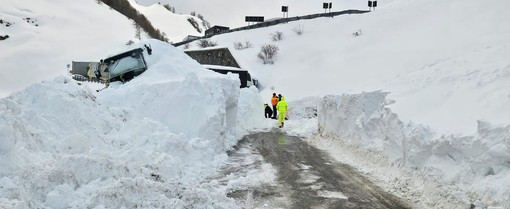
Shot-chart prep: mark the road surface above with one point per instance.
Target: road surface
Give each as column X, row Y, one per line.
column 306, row 177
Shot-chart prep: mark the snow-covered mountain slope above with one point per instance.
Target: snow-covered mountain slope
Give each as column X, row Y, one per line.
column 443, row 62
column 231, row 13
column 175, row 26
column 57, row 33
column 45, row 36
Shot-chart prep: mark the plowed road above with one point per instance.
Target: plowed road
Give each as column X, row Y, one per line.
column 306, row 177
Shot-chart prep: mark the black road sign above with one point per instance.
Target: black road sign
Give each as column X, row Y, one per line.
column 254, row 19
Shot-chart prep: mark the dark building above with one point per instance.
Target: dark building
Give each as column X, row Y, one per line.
column 217, row 56
column 215, row 30
column 220, row 60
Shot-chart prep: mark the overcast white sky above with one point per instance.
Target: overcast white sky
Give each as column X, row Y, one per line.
column 231, row 13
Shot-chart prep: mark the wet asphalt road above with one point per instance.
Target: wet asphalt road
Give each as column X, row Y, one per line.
column 306, row 177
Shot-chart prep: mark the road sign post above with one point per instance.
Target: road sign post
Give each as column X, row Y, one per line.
column 285, row 10
column 327, row 6
column 372, row 4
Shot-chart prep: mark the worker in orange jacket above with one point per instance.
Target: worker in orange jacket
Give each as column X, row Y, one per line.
column 274, row 102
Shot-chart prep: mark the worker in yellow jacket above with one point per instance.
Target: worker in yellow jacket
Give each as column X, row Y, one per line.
column 282, row 107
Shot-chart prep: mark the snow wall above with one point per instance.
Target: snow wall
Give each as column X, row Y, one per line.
column 61, row 148
column 148, row 143
column 478, row 164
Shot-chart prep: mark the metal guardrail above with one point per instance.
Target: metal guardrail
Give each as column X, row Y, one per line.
column 275, row 22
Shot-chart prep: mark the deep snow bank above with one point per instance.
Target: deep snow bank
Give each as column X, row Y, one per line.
column 182, row 95
column 477, row 164
column 148, row 143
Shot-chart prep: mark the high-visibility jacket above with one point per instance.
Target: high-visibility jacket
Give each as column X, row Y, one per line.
column 274, row 100
column 282, row 105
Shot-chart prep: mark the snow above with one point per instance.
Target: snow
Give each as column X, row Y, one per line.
column 168, row 128
column 36, row 52
column 237, row 10
column 82, row 31
column 418, row 103
column 167, row 22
